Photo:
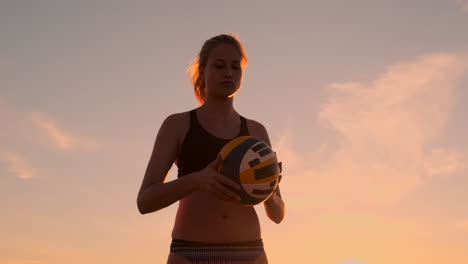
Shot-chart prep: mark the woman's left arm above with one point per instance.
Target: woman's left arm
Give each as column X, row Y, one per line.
column 274, row 206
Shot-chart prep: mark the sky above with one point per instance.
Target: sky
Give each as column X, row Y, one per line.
column 365, row 108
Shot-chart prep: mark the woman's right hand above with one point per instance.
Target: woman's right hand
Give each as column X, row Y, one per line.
column 211, row 181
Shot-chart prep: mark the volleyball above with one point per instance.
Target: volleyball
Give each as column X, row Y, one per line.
column 251, row 163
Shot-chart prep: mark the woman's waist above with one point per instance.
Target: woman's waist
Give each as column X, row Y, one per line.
column 203, row 219
column 216, row 233
column 215, row 220
column 207, row 212
column 206, row 206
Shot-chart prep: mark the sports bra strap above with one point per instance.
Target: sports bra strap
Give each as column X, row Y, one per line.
column 244, row 130
column 193, row 119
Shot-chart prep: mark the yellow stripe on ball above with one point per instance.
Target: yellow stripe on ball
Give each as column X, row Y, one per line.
column 228, row 148
column 248, row 176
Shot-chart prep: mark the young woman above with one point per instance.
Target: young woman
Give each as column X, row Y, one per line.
column 211, row 225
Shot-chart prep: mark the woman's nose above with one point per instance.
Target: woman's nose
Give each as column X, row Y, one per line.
column 228, row 71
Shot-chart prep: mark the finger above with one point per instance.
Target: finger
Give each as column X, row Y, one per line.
column 226, row 181
column 215, row 190
column 218, row 192
column 215, row 163
column 226, row 192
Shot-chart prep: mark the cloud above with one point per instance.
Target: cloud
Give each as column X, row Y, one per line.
column 38, row 127
column 21, row 167
column 58, row 137
column 18, row 165
column 22, row 132
column 385, row 132
column 443, row 162
column 463, row 4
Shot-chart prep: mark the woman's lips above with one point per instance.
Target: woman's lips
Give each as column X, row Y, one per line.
column 227, row 83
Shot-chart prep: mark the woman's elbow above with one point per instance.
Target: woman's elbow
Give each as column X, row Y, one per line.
column 141, row 207
column 277, row 219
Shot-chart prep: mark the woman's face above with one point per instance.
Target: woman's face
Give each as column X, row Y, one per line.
column 223, row 72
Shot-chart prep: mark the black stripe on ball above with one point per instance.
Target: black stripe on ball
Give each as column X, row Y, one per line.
column 265, row 152
column 267, row 171
column 262, row 192
column 250, row 200
column 254, row 162
column 259, row 147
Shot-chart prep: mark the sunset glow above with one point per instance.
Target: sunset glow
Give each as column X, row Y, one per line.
column 364, row 103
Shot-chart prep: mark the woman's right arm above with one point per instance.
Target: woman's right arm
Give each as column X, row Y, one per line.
column 154, row 194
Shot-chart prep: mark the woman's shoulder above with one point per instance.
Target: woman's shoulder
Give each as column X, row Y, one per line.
column 177, row 124
column 178, row 121
column 256, row 128
column 177, row 118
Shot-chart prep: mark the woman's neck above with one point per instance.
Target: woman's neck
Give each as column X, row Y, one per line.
column 218, row 110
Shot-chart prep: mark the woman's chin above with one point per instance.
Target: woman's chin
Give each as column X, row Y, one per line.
column 233, row 92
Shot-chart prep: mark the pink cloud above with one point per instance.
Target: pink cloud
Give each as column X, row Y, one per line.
column 443, row 162
column 57, row 137
column 385, row 129
column 21, row 127
column 23, row 131
column 18, row 166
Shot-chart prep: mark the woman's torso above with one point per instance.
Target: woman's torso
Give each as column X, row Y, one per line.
column 202, row 216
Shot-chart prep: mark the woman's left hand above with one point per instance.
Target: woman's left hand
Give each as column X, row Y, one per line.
column 280, row 164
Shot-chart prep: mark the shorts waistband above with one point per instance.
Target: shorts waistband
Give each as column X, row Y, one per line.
column 190, row 243
column 230, row 252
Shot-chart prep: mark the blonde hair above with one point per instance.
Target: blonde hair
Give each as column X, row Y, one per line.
column 200, row 61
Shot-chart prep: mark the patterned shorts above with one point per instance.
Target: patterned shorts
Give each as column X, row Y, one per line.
column 218, row 253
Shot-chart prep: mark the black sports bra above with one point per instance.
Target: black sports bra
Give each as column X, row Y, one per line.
column 200, row 148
